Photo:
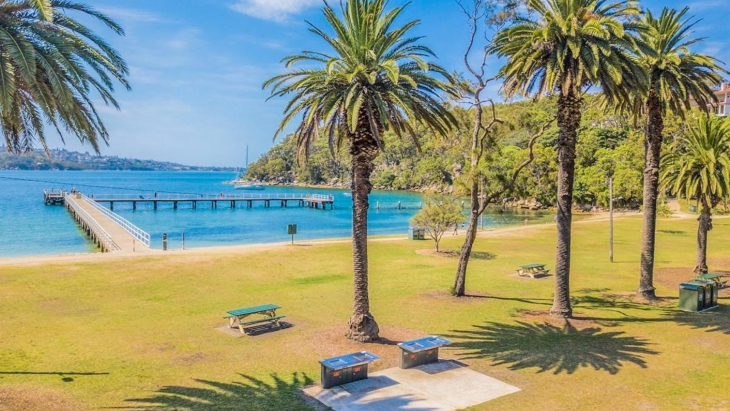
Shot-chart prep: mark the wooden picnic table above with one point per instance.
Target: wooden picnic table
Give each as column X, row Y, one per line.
column 532, row 270
column 714, row 277
column 267, row 311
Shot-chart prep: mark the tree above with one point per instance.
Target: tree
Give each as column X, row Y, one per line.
column 564, row 47
column 49, row 65
column 374, row 79
column 486, row 181
column 675, row 78
column 438, row 216
column 698, row 167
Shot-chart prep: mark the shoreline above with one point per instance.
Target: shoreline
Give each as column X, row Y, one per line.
column 262, row 247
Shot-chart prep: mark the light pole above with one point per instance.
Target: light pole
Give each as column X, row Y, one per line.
column 610, row 219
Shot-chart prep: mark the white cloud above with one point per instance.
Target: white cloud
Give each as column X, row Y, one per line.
column 183, row 39
column 705, row 5
column 275, row 10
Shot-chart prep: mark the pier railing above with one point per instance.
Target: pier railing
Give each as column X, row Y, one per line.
column 136, row 232
column 204, row 197
column 324, row 197
column 106, row 240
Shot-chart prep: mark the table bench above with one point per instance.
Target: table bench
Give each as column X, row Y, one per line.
column 268, row 311
column 715, row 278
column 532, row 270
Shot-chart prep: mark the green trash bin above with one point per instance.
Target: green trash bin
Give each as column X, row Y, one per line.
column 691, row 297
column 712, row 291
column 415, row 233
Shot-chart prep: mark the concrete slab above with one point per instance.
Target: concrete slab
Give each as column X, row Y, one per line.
column 444, row 386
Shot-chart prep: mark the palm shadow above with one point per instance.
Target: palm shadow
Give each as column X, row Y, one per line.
column 716, row 320
column 547, row 347
column 249, row 393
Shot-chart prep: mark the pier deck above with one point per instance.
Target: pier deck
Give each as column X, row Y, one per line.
column 109, row 231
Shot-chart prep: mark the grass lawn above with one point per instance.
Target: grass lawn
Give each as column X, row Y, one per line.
column 140, row 333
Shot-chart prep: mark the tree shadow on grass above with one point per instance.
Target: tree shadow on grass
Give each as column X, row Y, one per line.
column 250, row 394
column 717, row 320
column 66, row 376
column 547, row 347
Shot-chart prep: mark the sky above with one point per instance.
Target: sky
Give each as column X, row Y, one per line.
column 197, row 66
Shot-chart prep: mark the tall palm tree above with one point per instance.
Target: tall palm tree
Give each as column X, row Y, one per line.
column 373, row 79
column 698, row 167
column 676, row 76
column 565, row 47
column 50, row 64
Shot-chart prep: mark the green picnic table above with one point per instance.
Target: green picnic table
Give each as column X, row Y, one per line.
column 714, row 277
column 532, row 270
column 267, row 311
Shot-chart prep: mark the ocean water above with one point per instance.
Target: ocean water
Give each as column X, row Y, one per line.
column 28, row 227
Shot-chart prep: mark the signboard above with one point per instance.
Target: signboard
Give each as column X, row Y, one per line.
column 291, row 229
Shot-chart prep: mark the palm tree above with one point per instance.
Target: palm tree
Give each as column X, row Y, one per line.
column 676, row 76
column 374, row 79
column 565, row 47
column 49, row 65
column 698, row 167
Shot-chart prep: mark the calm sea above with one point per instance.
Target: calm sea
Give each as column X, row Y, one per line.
column 27, row 227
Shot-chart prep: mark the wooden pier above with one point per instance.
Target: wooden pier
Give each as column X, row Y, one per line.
column 112, row 233
column 109, row 231
column 316, row 201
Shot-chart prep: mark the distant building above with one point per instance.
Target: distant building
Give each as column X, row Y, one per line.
column 722, row 107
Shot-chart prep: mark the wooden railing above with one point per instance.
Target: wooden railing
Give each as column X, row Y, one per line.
column 132, row 229
column 94, row 229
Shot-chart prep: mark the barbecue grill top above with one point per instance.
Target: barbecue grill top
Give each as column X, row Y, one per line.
column 349, row 360
column 424, row 344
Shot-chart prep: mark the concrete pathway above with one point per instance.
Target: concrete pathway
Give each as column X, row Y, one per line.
column 443, row 386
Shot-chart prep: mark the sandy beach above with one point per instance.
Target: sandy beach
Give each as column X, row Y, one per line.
column 262, row 247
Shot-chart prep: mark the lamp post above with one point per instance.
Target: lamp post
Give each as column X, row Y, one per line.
column 610, row 219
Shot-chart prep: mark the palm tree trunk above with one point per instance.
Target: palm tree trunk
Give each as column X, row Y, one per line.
column 705, row 225
column 569, row 118
column 364, row 150
column 471, row 235
column 652, row 151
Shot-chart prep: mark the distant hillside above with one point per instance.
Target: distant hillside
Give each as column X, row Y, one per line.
column 72, row 160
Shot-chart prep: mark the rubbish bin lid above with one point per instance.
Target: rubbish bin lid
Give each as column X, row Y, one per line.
column 690, row 286
column 349, row 360
column 424, row 344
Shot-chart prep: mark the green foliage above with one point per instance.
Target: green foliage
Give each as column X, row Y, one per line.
column 374, row 79
column 567, row 45
column 662, row 208
column 676, row 75
column 49, row 65
column 610, row 145
column 438, row 216
column 698, row 165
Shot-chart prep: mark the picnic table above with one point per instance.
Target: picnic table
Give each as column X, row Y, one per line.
column 267, row 311
column 532, row 270
column 714, row 277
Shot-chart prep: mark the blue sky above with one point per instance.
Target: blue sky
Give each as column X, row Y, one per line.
column 197, row 67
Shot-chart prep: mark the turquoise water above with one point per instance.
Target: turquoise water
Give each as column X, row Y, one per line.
column 27, row 227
